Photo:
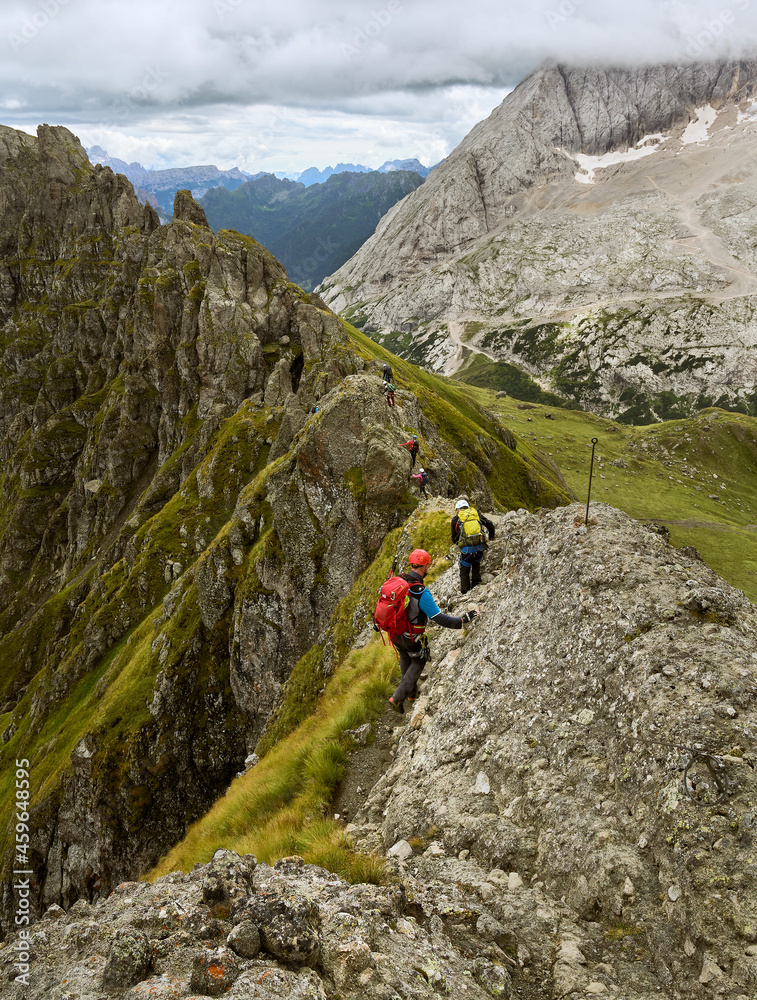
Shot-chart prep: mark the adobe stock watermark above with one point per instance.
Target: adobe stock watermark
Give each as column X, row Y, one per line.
column 33, row 23
column 711, row 30
column 558, row 15
column 225, row 7
column 378, row 21
column 22, row 875
column 124, row 106
column 326, row 247
column 259, row 140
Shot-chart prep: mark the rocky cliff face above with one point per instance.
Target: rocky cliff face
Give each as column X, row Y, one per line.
column 570, row 810
column 177, row 522
column 593, row 230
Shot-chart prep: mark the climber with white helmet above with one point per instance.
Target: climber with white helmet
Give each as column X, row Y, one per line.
column 422, row 476
column 468, row 532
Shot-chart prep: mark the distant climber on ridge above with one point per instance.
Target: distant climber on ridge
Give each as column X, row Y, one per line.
column 422, row 476
column 388, row 389
column 467, row 532
column 387, row 373
column 404, row 608
column 413, row 446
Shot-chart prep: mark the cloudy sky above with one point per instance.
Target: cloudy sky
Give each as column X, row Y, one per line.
column 296, row 83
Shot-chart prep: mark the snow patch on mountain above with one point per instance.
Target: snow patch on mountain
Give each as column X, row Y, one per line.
column 699, row 130
column 588, row 164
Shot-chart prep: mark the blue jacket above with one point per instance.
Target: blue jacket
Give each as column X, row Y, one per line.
column 423, row 608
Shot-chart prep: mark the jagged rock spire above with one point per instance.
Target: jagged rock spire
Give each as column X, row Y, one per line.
column 186, row 208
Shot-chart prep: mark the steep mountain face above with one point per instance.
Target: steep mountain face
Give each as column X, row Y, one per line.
column 177, row 522
column 594, row 230
column 312, row 229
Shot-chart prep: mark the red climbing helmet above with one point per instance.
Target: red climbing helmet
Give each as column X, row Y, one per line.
column 419, row 557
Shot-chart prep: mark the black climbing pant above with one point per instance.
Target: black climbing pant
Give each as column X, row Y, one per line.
column 412, row 661
column 470, row 570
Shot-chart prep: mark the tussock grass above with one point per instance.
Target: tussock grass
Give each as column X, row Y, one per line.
column 280, row 806
column 428, row 530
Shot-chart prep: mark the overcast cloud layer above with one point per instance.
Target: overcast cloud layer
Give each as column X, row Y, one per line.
column 283, row 86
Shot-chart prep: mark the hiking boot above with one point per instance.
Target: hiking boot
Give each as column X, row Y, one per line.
column 396, row 705
column 411, row 698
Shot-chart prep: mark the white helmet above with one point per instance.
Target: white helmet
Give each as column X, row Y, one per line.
column 460, row 504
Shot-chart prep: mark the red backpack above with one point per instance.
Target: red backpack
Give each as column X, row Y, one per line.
column 391, row 609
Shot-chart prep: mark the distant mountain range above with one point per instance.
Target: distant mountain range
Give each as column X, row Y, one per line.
column 315, row 176
column 312, row 229
column 597, row 231
column 158, row 187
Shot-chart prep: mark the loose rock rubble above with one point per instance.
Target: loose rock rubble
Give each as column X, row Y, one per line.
column 294, row 932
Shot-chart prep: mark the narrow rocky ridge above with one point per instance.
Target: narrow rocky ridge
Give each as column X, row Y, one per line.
column 570, row 810
column 554, row 743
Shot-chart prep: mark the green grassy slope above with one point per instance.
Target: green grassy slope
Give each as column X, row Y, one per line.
column 501, row 376
column 696, row 476
column 280, row 806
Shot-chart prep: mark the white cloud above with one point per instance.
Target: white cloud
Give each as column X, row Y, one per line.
column 278, row 137
column 190, row 78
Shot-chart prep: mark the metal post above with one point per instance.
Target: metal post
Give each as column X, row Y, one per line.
column 591, row 473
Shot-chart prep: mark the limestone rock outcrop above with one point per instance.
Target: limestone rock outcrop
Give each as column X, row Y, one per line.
column 364, row 942
column 593, row 742
column 594, row 230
